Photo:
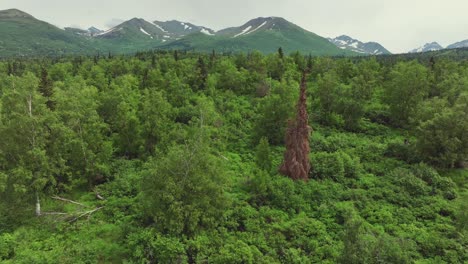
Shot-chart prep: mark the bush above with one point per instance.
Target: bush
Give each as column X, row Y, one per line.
column 237, row 252
column 439, row 184
column 402, row 151
column 335, row 166
column 352, row 166
column 410, row 183
column 148, row 246
column 327, row 165
column 7, row 246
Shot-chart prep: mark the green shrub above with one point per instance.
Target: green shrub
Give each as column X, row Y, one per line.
column 151, row 247
column 334, row 166
column 410, row 183
column 7, row 246
column 352, row 166
column 402, row 151
column 327, row 165
column 439, row 184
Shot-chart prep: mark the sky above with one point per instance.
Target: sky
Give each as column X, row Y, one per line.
column 399, row 25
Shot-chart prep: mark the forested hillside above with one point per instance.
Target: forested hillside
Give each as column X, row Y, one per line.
column 173, row 157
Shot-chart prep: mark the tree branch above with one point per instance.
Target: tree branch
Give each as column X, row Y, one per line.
column 68, row 201
column 88, row 213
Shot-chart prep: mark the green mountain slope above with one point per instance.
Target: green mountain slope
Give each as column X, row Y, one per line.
column 132, row 35
column 262, row 34
column 23, row 35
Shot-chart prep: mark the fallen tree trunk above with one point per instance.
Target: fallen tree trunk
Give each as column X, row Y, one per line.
column 68, row 201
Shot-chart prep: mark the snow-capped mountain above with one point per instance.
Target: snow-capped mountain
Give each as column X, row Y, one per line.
column 461, row 44
column 93, row 31
column 90, row 32
column 433, row 46
column 348, row 43
column 179, row 29
column 138, row 29
column 258, row 25
column 265, row 34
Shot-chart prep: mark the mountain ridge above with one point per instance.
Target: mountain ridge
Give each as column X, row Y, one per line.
column 432, row 46
column 24, row 35
column 349, row 43
column 265, row 34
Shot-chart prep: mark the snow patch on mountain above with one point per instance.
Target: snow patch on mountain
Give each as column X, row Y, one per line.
column 433, row 46
column 159, row 27
column 108, row 31
column 264, row 23
column 206, row 32
column 146, row 33
column 243, row 31
column 347, row 43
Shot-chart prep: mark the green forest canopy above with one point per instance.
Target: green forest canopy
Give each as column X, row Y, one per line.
column 170, row 157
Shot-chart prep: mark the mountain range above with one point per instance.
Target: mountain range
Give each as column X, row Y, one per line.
column 434, row 46
column 348, row 43
column 23, row 35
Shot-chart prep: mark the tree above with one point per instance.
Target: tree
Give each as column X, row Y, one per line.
column 296, row 163
column 24, row 122
column 408, row 86
column 356, row 97
column 155, row 114
column 263, row 159
column 274, row 111
column 280, row 53
column 87, row 149
column 119, row 108
column 201, row 74
column 184, row 189
column 442, row 132
column 46, row 89
column 328, row 94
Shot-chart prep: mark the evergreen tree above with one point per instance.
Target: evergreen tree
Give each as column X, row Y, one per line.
column 263, row 159
column 202, row 74
column 280, row 53
column 46, row 89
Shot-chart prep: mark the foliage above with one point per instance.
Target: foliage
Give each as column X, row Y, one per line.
column 184, row 189
column 181, row 159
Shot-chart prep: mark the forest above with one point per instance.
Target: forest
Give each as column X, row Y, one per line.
column 174, row 157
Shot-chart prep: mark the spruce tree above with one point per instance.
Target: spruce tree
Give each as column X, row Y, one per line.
column 296, row 163
column 263, row 159
column 280, row 53
column 45, row 88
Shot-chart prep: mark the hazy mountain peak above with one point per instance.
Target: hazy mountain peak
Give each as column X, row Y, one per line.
column 460, row 44
column 348, row 43
column 94, row 30
column 433, row 46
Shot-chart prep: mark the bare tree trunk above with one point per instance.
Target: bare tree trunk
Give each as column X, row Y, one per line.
column 38, row 205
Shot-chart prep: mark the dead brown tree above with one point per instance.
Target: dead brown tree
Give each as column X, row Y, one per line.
column 296, row 163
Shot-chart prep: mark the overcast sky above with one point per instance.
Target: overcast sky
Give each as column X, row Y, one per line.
column 399, row 25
